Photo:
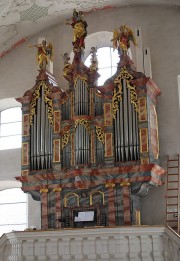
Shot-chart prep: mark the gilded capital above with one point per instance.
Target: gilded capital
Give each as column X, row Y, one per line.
column 57, row 189
column 110, row 185
column 124, row 183
column 43, row 190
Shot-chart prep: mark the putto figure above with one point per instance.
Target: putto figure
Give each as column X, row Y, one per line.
column 79, row 26
column 122, row 38
column 67, row 66
column 44, row 53
column 94, row 60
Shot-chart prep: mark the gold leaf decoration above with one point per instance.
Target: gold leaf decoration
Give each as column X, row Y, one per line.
column 84, row 123
column 47, row 100
column 100, row 134
column 117, row 93
column 65, row 138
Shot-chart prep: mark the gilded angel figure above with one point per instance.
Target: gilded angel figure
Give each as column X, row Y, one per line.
column 44, row 52
column 122, row 38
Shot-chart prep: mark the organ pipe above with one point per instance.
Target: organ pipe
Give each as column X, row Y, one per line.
column 126, row 128
column 41, row 135
column 81, row 98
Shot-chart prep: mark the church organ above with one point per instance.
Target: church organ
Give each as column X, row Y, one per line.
column 91, row 152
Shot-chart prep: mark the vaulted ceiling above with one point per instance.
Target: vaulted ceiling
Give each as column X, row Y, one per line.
column 20, row 19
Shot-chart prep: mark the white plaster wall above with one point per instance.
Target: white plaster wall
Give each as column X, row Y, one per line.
column 161, row 33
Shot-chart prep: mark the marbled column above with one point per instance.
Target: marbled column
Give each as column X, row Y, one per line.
column 57, row 206
column 111, row 204
column 44, row 208
column 126, row 203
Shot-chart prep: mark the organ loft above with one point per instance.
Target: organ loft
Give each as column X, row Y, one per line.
column 90, row 153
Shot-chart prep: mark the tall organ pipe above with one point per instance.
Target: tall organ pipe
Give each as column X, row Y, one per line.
column 38, row 132
column 126, row 128
column 41, row 136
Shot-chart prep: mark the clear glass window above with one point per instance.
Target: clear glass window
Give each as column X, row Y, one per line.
column 13, row 209
column 107, row 63
column 10, row 128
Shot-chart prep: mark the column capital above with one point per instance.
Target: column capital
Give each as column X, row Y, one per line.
column 110, row 185
column 57, row 189
column 44, row 190
column 125, row 183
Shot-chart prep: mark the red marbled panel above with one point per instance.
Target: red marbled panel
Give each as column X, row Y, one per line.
column 108, row 145
column 25, row 172
column 56, row 121
column 25, row 153
column 56, row 150
column 143, row 140
column 107, row 114
column 145, row 161
column 142, row 109
column 92, row 102
column 25, row 122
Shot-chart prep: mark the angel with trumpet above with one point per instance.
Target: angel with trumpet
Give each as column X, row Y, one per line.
column 44, row 53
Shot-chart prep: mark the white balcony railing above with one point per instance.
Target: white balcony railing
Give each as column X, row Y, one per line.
column 107, row 244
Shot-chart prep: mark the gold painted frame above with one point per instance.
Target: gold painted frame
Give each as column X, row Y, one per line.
column 69, row 194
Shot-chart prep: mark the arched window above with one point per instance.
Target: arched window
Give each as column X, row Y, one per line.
column 10, row 128
column 13, row 209
column 107, row 63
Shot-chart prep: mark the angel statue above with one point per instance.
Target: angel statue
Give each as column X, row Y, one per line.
column 94, row 60
column 121, row 39
column 44, row 52
column 79, row 26
column 67, row 65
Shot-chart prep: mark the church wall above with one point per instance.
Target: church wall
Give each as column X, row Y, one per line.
column 160, row 29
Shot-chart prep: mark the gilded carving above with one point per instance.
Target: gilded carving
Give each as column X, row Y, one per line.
column 71, row 194
column 84, row 123
column 96, row 192
column 65, row 139
column 43, row 190
column 100, row 134
column 81, row 77
column 57, row 189
column 110, row 185
column 124, row 183
column 117, row 93
column 47, row 100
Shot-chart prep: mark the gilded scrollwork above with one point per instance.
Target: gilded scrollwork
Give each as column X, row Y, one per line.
column 100, row 134
column 47, row 100
column 84, row 123
column 81, row 77
column 65, row 139
column 33, row 104
column 117, row 94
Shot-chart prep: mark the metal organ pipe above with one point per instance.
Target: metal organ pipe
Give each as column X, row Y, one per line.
column 41, row 136
column 126, row 128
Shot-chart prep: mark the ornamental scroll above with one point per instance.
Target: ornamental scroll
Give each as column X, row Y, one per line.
column 84, row 123
column 47, row 100
column 65, row 138
column 117, row 93
column 100, row 134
